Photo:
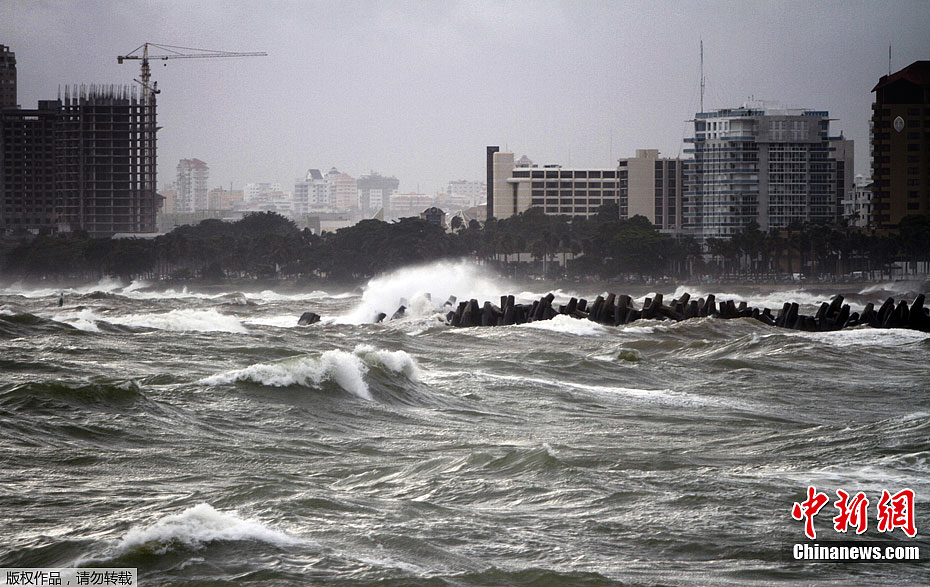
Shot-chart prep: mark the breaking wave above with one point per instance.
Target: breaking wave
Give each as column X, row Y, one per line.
column 345, row 369
column 425, row 288
column 197, row 526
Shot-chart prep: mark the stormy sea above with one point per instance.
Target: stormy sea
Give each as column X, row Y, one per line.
column 203, row 437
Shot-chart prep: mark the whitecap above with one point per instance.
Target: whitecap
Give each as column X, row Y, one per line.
column 347, row 370
column 185, row 320
column 200, row 525
column 396, row 361
column 567, row 325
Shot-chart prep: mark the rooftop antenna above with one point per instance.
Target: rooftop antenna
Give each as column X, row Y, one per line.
column 702, row 75
column 889, row 59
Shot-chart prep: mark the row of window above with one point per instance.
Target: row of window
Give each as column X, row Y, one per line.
column 565, row 174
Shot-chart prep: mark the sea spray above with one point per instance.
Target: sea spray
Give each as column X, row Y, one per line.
column 440, row 280
column 197, row 526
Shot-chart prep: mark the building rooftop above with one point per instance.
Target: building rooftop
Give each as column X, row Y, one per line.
column 917, row 73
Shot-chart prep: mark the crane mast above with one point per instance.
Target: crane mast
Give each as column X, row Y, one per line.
column 148, row 98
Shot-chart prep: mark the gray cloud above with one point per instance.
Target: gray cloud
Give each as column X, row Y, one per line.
column 417, row 89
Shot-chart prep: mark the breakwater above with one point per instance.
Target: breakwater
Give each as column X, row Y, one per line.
column 614, row 309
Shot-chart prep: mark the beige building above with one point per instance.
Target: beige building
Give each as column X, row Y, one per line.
column 343, row 190
column 653, row 188
column 647, row 185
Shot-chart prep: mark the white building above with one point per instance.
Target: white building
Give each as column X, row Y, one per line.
column 312, row 194
column 763, row 163
column 645, row 185
column 192, row 178
column 857, row 207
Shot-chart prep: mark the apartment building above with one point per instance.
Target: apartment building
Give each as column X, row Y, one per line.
column 900, row 145
column 762, row 163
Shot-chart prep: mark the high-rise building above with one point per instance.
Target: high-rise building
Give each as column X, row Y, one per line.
column 7, row 78
column 651, row 186
column 311, row 194
column 29, row 200
column 343, row 190
column 900, row 137
column 374, row 191
column 77, row 164
column 193, row 194
column 761, row 163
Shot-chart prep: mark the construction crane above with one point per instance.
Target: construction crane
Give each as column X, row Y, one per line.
column 148, row 95
column 173, row 52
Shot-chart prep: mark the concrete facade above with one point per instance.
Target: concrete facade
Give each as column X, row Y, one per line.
column 193, row 176
column 374, row 191
column 760, row 163
column 900, row 145
column 7, row 78
column 647, row 185
column 77, row 163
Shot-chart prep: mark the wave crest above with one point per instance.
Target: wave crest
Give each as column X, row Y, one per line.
column 197, row 526
column 347, row 370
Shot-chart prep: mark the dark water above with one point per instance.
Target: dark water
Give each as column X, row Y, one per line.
column 205, row 438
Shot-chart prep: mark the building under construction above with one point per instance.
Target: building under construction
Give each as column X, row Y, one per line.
column 85, row 161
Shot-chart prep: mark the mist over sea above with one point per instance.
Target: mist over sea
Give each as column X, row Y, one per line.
column 206, row 438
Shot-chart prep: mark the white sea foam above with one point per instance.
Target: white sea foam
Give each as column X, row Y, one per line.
column 567, row 325
column 85, row 319
column 441, row 280
column 347, row 370
column 185, row 320
column 396, row 361
column 197, row 526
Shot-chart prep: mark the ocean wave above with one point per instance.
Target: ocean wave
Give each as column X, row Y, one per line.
column 347, row 370
column 196, row 527
column 664, row 396
column 116, row 393
column 84, row 319
column 440, row 280
column 872, row 337
column 185, row 320
column 567, row 325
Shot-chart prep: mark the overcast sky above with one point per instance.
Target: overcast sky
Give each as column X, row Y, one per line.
column 418, row 89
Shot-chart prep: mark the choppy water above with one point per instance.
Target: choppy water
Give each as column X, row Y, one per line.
column 207, row 437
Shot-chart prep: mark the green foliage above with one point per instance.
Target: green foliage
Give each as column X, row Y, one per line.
column 268, row 245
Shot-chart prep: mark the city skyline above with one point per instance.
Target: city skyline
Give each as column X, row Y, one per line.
column 417, row 90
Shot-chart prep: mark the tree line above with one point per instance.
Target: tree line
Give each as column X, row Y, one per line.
column 270, row 246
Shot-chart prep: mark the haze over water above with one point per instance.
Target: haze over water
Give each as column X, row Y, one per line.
column 207, row 437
